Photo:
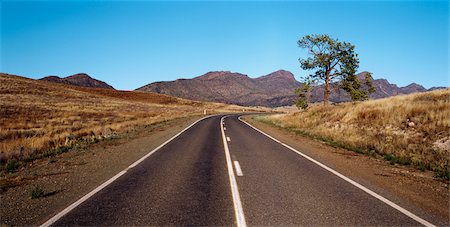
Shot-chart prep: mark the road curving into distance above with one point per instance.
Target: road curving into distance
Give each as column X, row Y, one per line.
column 222, row 171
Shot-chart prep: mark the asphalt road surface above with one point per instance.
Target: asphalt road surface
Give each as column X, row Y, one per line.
column 230, row 174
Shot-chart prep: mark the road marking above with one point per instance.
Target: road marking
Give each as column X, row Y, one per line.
column 368, row 191
column 238, row 211
column 224, row 128
column 228, row 139
column 238, row 169
column 99, row 188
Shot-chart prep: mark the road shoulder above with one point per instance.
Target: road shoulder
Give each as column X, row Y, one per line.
column 398, row 183
column 69, row 176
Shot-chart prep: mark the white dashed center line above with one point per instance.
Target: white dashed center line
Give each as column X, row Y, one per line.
column 238, row 169
column 238, row 211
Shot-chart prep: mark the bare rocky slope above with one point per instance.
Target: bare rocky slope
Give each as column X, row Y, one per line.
column 80, row 80
column 274, row 89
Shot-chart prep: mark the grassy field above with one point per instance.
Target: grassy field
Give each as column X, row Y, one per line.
column 409, row 129
column 40, row 118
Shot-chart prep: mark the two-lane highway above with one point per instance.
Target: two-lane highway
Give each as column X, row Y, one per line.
column 230, row 174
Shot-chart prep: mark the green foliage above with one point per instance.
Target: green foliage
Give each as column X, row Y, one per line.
column 332, row 61
column 37, row 192
column 352, row 85
column 301, row 103
column 396, row 160
column 329, row 57
column 11, row 166
column 60, row 150
column 444, row 174
column 303, row 94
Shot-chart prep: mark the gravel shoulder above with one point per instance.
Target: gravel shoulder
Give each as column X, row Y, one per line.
column 67, row 177
column 412, row 189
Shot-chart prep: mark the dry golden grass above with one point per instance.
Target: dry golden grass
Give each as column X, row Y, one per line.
column 38, row 116
column 409, row 129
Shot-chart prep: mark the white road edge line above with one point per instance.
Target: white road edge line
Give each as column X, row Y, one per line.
column 368, row 191
column 238, row 169
column 228, row 139
column 99, row 188
column 238, row 211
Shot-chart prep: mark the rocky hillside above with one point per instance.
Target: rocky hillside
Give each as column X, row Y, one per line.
column 274, row 89
column 80, row 80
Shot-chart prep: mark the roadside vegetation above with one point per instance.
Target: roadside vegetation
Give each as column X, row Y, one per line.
column 40, row 119
column 408, row 129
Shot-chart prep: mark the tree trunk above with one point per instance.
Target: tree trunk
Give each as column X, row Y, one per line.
column 326, row 95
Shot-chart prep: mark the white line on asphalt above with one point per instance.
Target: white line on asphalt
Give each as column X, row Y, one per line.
column 238, row 169
column 368, row 191
column 87, row 196
column 238, row 211
column 224, row 128
column 228, row 139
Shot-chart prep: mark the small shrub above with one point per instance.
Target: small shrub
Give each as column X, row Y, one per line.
column 11, row 166
column 37, row 192
column 443, row 174
column 48, row 154
column 392, row 159
column 395, row 160
column 61, row 150
column 422, row 167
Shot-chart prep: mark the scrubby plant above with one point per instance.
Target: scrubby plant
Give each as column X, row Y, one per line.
column 12, row 165
column 37, row 192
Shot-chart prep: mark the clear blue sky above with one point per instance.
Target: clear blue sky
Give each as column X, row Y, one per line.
column 131, row 43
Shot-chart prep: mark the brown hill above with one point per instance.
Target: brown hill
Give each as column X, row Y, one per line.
column 275, row 89
column 38, row 116
column 80, row 79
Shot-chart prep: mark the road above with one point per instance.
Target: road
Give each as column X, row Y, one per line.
column 230, row 174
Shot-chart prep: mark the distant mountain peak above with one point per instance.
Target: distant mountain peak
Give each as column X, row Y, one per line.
column 80, row 75
column 414, row 85
column 280, row 74
column 79, row 79
column 219, row 75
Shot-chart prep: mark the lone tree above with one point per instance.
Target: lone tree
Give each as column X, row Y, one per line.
column 333, row 61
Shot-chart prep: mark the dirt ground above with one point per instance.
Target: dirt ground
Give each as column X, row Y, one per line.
column 415, row 190
column 67, row 177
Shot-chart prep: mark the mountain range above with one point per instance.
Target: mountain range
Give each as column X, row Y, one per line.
column 273, row 90
column 228, row 87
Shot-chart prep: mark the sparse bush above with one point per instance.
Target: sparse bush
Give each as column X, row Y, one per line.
column 60, row 150
column 37, row 192
column 444, row 174
column 11, row 166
